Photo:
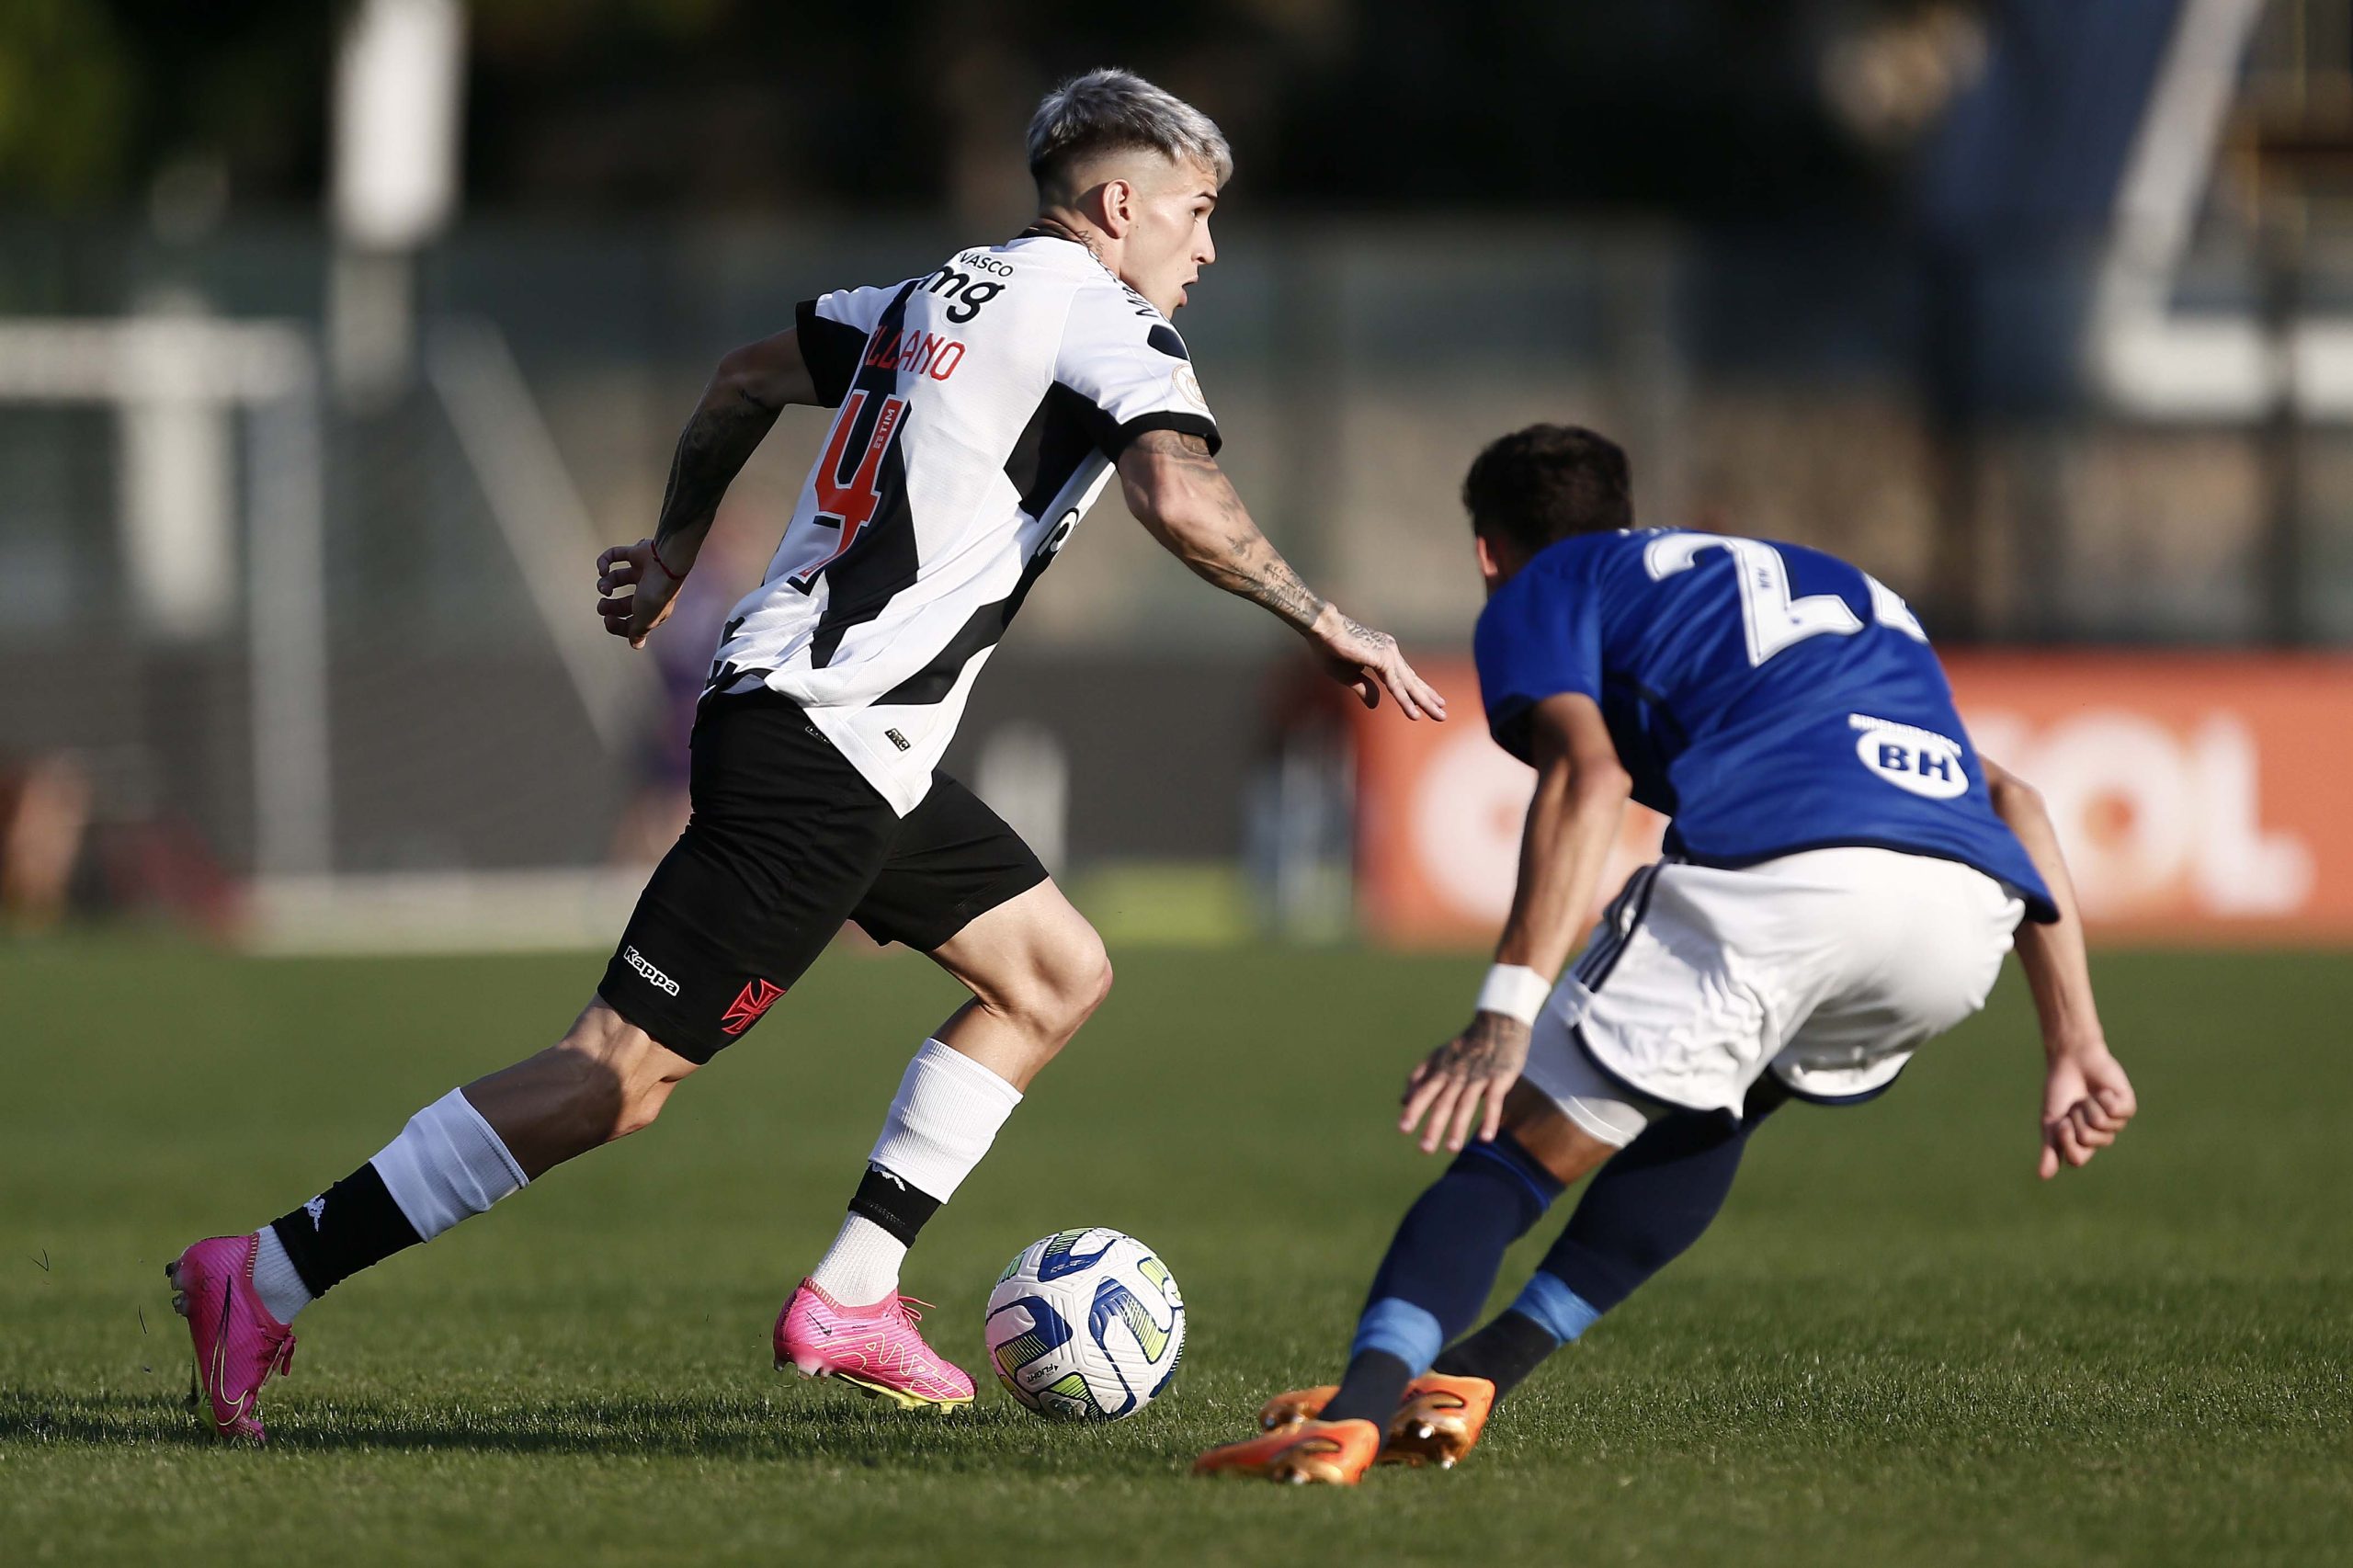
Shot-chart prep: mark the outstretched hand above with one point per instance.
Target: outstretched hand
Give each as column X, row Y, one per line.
column 2086, row 1100
column 1368, row 662
column 653, row 591
column 1474, row 1070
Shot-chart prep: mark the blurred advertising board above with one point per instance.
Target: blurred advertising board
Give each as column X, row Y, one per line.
column 2200, row 798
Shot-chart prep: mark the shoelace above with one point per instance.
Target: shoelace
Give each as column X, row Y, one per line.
column 907, row 1305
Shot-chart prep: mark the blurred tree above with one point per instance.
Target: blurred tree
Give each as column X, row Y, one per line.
column 64, row 99
column 96, row 96
column 1697, row 106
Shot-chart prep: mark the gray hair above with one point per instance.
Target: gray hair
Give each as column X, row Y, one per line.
column 1110, row 109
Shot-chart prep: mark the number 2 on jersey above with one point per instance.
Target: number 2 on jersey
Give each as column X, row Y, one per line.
column 851, row 504
column 1774, row 618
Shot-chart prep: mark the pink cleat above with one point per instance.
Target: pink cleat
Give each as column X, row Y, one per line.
column 875, row 1349
column 238, row 1345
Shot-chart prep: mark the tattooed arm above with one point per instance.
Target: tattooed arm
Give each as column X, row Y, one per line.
column 1175, row 489
column 1581, row 793
column 747, row 390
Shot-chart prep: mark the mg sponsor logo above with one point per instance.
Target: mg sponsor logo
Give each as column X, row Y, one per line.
column 646, row 972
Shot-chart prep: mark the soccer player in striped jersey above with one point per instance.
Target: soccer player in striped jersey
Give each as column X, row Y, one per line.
column 1842, row 876
column 982, row 404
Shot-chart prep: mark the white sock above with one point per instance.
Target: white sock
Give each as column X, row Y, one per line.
column 862, row 1266
column 943, row 1120
column 446, row 1166
column 280, row 1288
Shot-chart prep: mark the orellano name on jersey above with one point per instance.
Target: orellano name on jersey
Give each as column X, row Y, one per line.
column 1921, row 761
column 925, row 353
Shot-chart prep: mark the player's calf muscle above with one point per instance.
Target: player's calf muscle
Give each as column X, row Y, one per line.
column 605, row 1079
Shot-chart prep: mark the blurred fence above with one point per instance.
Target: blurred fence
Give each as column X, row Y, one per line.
column 1796, row 383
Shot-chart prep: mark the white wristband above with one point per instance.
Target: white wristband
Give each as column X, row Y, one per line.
column 1515, row 990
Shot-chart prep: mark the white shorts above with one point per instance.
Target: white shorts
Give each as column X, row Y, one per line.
column 1828, row 968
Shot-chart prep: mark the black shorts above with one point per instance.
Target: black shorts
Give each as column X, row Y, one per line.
column 787, row 842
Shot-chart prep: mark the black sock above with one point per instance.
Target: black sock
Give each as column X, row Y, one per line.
column 1375, row 1382
column 1504, row 1352
column 352, row 1225
column 892, row 1204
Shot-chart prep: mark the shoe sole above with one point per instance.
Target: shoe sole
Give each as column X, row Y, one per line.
column 1425, row 1445
column 899, row 1398
column 1290, row 1469
column 196, row 1404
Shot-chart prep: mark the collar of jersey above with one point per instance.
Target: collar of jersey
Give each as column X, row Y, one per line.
column 1035, row 232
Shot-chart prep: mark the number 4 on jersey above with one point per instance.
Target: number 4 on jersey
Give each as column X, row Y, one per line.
column 851, row 505
column 1775, row 620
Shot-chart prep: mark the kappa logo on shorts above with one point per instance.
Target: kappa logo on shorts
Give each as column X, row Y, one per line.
column 646, row 970
column 756, row 997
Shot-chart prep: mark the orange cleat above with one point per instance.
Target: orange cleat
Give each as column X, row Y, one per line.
column 1437, row 1423
column 1440, row 1422
column 1290, row 1409
column 1305, row 1453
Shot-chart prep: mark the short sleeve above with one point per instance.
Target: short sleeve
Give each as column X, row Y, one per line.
column 832, row 330
column 1538, row 637
column 1129, row 373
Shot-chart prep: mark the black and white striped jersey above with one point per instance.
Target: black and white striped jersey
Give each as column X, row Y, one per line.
column 981, row 406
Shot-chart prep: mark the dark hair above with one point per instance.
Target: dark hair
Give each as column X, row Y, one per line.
column 1541, row 484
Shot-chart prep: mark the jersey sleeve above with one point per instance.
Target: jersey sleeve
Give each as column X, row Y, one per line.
column 832, row 330
column 1538, row 637
column 1130, row 372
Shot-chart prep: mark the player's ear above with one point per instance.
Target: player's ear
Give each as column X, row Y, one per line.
column 1118, row 204
column 1491, row 571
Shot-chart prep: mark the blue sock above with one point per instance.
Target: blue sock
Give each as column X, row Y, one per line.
column 1640, row 1212
column 1645, row 1208
column 1439, row 1270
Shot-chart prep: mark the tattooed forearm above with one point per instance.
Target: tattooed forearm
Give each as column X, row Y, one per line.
column 1256, row 572
column 1177, row 491
column 719, row 438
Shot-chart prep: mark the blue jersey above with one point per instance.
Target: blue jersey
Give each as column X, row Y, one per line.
column 1768, row 698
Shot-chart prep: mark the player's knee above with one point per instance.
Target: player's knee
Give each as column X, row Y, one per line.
column 1068, row 980
column 613, row 1078
column 1071, row 983
column 1092, row 983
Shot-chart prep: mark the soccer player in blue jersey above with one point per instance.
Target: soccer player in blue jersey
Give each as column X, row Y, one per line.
column 1842, row 875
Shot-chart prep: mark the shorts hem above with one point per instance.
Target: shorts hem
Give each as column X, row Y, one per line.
column 663, row 1031
column 1861, row 1096
column 1620, row 1080
column 1591, row 1125
column 996, row 896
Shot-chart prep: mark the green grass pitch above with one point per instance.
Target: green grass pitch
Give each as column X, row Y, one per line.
column 1895, row 1347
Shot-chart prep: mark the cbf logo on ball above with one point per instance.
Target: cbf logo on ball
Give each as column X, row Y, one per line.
column 1922, row 761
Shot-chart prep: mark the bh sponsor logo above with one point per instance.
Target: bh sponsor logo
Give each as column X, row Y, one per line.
column 1920, row 761
column 646, row 970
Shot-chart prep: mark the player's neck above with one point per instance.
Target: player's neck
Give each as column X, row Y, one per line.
column 1061, row 224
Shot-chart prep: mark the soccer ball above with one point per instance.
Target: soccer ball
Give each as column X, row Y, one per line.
column 1086, row 1325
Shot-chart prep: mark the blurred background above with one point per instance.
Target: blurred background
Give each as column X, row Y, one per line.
column 337, row 339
